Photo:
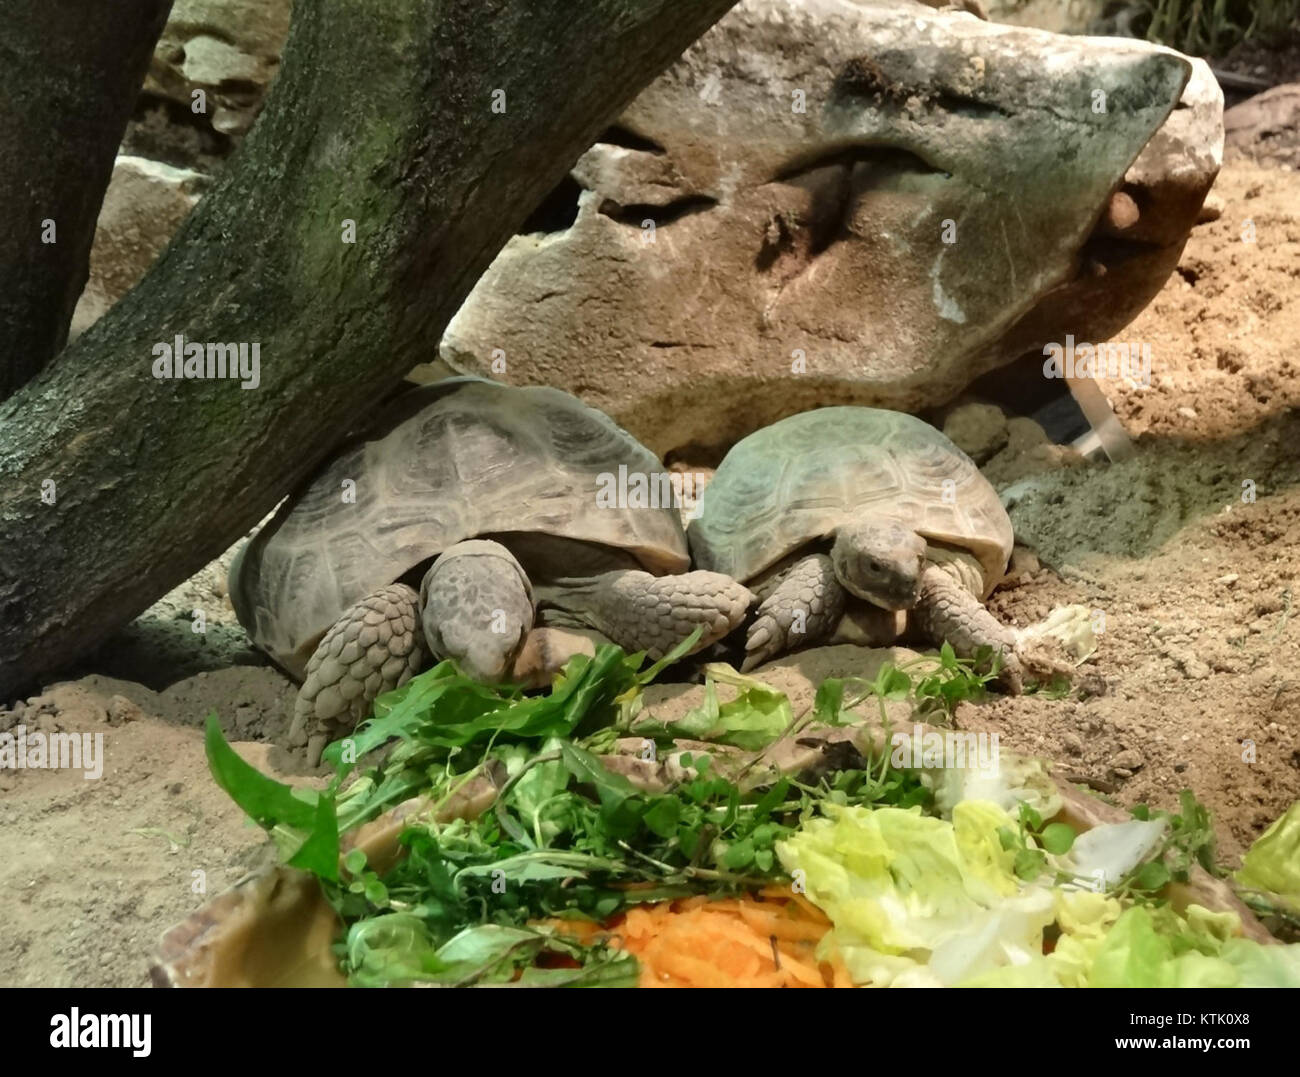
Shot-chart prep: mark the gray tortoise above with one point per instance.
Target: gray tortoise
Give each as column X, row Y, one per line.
column 849, row 502
column 484, row 497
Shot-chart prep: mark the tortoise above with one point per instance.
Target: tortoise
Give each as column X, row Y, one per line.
column 485, row 498
column 846, row 502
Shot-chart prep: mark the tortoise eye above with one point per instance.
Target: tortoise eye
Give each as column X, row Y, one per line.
column 874, row 565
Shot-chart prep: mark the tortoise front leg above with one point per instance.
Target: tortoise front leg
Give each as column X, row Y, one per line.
column 643, row 612
column 802, row 603
column 373, row 648
column 948, row 612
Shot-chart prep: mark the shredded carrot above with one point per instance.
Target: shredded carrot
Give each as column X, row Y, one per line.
column 769, row 940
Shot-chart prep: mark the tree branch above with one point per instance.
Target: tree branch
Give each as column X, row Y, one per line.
column 70, row 73
column 381, row 115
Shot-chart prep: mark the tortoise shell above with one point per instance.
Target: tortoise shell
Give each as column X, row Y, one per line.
column 443, row 463
column 797, row 480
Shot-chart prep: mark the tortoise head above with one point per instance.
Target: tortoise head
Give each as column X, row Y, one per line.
column 880, row 561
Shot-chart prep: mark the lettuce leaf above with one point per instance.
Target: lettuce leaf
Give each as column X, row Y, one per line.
column 1107, row 853
column 1015, row 780
column 758, row 715
column 921, row 901
column 1263, row 966
column 903, row 889
column 1272, row 864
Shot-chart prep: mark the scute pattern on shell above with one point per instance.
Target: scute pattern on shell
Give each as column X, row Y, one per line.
column 798, row 480
column 444, row 463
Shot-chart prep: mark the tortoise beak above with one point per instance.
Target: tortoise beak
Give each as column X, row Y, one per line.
column 900, row 593
column 903, row 599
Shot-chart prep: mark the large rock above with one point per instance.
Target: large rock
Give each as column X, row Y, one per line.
column 1060, row 16
column 229, row 49
column 143, row 206
column 1266, row 127
column 722, row 258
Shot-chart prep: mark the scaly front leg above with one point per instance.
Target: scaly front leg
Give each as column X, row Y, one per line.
column 373, row 648
column 802, row 604
column 642, row 612
column 948, row 612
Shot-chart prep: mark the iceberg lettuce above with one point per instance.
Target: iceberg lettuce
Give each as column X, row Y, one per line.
column 916, row 900
column 1109, row 852
column 1136, row 953
column 907, row 891
column 1272, row 864
column 1015, row 780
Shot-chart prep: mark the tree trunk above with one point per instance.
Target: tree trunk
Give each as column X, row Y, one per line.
column 382, row 115
column 70, row 72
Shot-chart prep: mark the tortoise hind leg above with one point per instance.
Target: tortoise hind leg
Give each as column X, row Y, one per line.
column 373, row 648
column 802, row 603
column 948, row 612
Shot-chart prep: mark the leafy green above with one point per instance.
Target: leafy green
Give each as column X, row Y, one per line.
column 306, row 817
column 460, row 703
column 1189, row 842
column 570, row 838
column 1015, row 780
column 1112, row 853
column 447, row 721
column 933, row 684
column 1058, row 838
column 567, row 836
column 920, row 901
column 397, row 949
column 915, row 899
column 758, row 714
column 436, row 716
column 1272, row 863
column 1136, row 952
column 965, row 882
column 444, row 709
column 828, row 704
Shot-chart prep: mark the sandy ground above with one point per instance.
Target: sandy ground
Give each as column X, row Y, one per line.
column 1200, row 654
column 1199, row 584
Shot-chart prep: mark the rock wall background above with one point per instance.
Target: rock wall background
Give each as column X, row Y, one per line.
column 210, row 74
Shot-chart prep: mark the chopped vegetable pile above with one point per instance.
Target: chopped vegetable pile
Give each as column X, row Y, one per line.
column 537, row 857
column 768, row 940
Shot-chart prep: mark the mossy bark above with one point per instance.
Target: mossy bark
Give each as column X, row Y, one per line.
column 70, row 72
column 382, row 115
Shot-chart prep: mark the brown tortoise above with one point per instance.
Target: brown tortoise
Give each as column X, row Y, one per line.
column 483, row 496
column 846, row 502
